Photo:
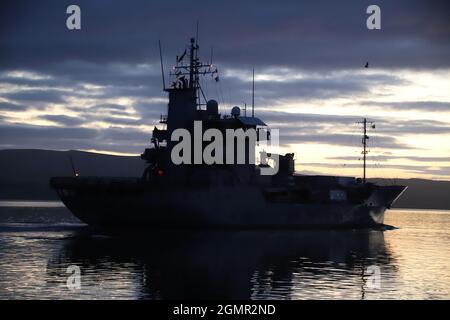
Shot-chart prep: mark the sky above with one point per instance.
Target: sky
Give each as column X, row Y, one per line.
column 99, row 88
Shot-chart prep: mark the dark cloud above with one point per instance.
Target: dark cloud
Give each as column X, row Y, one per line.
column 310, row 86
column 306, row 34
column 115, row 75
column 101, row 109
column 12, row 133
column 32, row 96
column 393, row 127
column 64, row 120
column 145, row 113
column 428, row 106
column 125, row 135
column 439, row 172
column 117, row 82
column 27, row 82
column 114, row 121
column 41, row 137
column 384, row 126
column 310, row 118
column 150, row 110
column 11, row 106
column 340, row 140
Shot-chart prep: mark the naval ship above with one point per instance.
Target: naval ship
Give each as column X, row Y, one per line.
column 221, row 194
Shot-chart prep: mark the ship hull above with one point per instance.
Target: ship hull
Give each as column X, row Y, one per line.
column 302, row 216
column 216, row 207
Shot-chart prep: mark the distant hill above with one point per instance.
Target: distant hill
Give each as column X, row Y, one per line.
column 25, row 174
column 421, row 193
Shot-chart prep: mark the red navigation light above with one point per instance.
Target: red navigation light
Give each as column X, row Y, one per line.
column 160, row 172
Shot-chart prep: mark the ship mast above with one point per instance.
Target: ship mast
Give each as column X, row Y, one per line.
column 192, row 63
column 194, row 69
column 365, row 137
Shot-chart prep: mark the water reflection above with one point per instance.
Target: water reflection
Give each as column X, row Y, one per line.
column 226, row 264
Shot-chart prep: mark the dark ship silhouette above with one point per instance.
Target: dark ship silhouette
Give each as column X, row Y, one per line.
column 220, row 195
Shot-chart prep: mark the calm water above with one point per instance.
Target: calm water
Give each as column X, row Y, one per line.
column 39, row 242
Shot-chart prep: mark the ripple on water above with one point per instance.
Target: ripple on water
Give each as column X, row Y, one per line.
column 413, row 262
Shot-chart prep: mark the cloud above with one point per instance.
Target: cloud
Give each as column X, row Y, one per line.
column 43, row 137
column 25, row 132
column 6, row 106
column 340, row 140
column 310, row 85
column 32, row 96
column 392, row 157
column 100, row 109
column 303, row 52
column 310, row 118
column 384, row 126
column 439, row 172
column 306, row 34
column 393, row 127
column 417, row 169
column 429, row 106
column 64, row 120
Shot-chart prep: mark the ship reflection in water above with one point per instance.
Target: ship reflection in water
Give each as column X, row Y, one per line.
column 233, row 264
column 259, row 264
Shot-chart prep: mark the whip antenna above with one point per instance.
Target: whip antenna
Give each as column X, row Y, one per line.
column 162, row 65
column 253, row 94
